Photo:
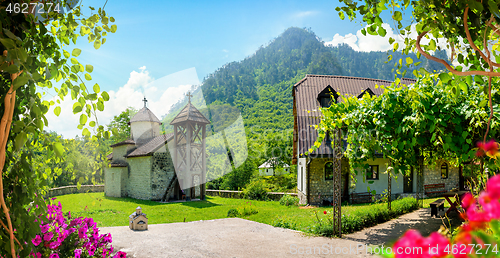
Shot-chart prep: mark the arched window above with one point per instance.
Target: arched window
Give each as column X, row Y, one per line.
column 329, row 171
column 444, row 170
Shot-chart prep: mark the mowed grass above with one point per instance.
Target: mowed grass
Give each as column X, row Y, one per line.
column 110, row 211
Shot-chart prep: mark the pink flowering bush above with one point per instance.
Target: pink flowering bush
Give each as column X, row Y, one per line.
column 79, row 239
column 478, row 236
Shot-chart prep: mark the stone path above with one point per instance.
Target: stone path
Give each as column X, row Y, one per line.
column 234, row 237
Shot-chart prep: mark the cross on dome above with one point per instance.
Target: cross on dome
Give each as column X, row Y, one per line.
column 189, row 96
column 145, row 100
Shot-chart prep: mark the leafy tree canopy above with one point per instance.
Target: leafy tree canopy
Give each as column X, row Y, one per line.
column 35, row 53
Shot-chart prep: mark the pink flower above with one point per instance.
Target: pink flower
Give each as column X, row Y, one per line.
column 54, row 255
column 78, row 253
column 489, row 148
column 467, row 200
column 48, row 236
column 44, row 228
column 493, row 187
column 120, row 254
column 37, row 240
column 413, row 239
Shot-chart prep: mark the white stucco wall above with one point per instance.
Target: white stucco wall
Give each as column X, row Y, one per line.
column 381, row 184
column 269, row 171
column 144, row 130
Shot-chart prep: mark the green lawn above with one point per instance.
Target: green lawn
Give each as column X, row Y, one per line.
column 110, row 211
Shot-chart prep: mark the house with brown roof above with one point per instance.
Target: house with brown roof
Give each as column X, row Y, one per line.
column 315, row 171
column 142, row 166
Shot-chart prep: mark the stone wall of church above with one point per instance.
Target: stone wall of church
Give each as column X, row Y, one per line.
column 139, row 179
column 113, row 181
column 162, row 173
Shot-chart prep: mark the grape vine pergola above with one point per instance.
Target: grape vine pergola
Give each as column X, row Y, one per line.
column 471, row 29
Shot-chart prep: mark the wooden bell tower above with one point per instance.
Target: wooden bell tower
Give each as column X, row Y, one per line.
column 189, row 155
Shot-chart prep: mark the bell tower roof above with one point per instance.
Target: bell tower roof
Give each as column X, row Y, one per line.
column 190, row 113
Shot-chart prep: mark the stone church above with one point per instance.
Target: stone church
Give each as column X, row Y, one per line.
column 154, row 166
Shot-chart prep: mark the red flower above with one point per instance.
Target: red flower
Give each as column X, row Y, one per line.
column 489, row 148
column 324, row 212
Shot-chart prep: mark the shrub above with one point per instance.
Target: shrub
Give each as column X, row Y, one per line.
column 288, row 200
column 361, row 218
column 79, row 238
column 256, row 190
column 284, row 223
column 232, row 213
column 247, row 209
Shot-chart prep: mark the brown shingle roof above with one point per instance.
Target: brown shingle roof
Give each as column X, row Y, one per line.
column 151, row 146
column 128, row 141
column 190, row 113
column 144, row 115
column 305, row 94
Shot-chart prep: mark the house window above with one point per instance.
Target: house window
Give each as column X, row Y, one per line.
column 325, row 102
column 372, row 172
column 444, row 170
column 329, row 171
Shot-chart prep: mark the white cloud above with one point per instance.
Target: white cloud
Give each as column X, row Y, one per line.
column 161, row 95
column 369, row 43
column 304, row 14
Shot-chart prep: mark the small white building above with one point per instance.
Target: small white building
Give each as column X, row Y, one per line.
column 266, row 169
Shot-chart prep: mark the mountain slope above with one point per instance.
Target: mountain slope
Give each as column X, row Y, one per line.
column 260, row 86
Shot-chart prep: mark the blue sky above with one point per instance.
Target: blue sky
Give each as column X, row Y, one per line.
column 188, row 40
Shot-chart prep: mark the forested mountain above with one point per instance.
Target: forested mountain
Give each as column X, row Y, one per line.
column 260, row 86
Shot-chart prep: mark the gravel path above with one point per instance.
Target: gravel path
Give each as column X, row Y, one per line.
column 234, row 237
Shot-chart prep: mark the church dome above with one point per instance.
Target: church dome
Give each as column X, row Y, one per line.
column 144, row 115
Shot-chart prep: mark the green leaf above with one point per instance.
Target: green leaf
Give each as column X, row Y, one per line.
column 444, row 77
column 113, row 28
column 8, row 43
column 85, row 132
column 483, row 103
column 76, row 52
column 88, row 77
column 409, row 61
column 105, row 96
column 89, row 68
column 97, row 89
column 432, row 45
column 381, row 31
column 97, row 44
column 391, row 40
column 11, row 35
column 74, row 61
column 58, row 149
column 92, row 123
column 83, row 119
column 398, row 16
column 66, row 53
column 77, row 107
column 111, row 19
column 20, row 81
column 57, row 111
column 463, row 87
column 100, row 106
column 20, row 140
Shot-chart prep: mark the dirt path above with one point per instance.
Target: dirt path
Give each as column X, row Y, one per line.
column 234, row 237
